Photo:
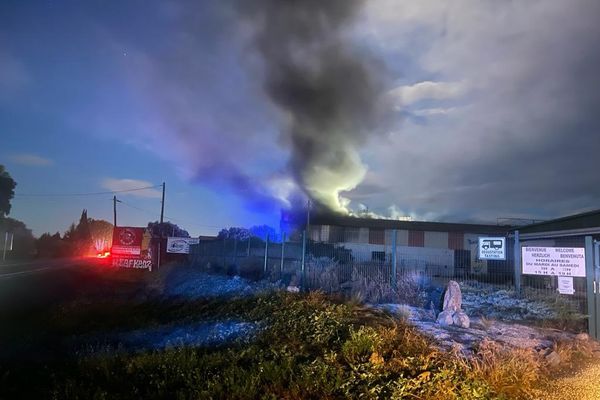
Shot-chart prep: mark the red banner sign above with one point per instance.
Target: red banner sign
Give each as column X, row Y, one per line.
column 131, row 248
column 127, row 240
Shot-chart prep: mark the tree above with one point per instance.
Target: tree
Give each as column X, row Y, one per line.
column 234, row 233
column 83, row 238
column 50, row 246
column 166, row 229
column 78, row 239
column 262, row 231
column 23, row 241
column 101, row 232
column 7, row 191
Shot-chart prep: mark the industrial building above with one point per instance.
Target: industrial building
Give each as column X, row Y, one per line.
column 444, row 248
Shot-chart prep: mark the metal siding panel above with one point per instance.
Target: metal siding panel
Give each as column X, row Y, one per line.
column 456, row 240
column 416, row 238
column 364, row 235
column 438, row 240
column 402, row 238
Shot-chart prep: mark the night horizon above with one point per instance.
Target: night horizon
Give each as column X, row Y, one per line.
column 440, row 115
column 300, row 199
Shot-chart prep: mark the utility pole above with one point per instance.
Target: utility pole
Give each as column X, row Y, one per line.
column 308, row 204
column 162, row 204
column 115, row 210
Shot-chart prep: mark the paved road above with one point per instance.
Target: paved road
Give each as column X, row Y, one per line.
column 584, row 385
column 42, row 282
column 11, row 269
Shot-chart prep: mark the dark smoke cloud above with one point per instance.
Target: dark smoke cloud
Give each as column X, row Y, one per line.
column 329, row 90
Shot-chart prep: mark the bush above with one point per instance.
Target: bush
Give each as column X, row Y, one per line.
column 311, row 347
column 376, row 287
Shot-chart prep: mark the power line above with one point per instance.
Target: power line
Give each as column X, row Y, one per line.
column 153, row 213
column 138, row 208
column 83, row 194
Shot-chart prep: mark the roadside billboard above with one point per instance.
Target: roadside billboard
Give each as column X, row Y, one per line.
column 131, row 248
column 180, row 245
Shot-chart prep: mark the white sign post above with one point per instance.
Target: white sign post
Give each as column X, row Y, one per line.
column 553, row 261
column 492, row 248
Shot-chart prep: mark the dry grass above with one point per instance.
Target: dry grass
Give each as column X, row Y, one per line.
column 377, row 288
column 514, row 373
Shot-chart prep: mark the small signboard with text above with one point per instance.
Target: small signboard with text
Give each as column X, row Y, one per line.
column 553, row 261
column 180, row 245
column 492, row 248
column 565, row 285
column 131, row 248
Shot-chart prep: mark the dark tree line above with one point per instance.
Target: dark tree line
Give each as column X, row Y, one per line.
column 87, row 237
column 258, row 231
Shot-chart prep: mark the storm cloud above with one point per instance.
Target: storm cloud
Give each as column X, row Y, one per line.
column 521, row 138
column 268, row 99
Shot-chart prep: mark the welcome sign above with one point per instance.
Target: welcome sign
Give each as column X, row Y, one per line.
column 556, row 261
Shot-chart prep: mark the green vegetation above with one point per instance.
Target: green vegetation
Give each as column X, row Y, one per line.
column 7, row 191
column 311, row 346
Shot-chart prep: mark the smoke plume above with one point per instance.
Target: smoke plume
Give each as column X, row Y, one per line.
column 329, row 90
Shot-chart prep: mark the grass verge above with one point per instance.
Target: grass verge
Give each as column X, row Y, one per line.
column 313, row 346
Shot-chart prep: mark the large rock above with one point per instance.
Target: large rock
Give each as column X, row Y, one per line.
column 553, row 359
column 452, row 313
column 453, row 297
column 445, row 318
column 461, row 319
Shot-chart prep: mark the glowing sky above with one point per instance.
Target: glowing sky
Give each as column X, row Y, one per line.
column 496, row 105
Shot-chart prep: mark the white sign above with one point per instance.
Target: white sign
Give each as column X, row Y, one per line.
column 565, row 285
column 492, row 248
column 180, row 245
column 555, row 261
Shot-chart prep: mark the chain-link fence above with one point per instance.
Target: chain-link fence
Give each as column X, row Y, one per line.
column 384, row 272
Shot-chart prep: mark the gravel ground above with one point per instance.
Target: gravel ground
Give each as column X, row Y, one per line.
column 194, row 334
column 451, row 337
column 187, row 283
column 191, row 283
column 584, row 385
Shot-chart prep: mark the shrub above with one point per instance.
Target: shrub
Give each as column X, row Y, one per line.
column 311, row 346
column 376, row 287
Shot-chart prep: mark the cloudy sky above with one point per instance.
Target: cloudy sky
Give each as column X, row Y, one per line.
column 454, row 110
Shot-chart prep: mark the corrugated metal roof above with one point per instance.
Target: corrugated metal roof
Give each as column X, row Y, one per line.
column 350, row 221
column 586, row 220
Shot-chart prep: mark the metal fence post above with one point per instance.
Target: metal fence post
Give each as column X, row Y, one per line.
column 303, row 259
column 394, row 258
column 517, row 257
column 5, row 245
column 235, row 254
column 266, row 254
column 591, row 288
column 248, row 251
column 224, row 252
column 282, row 255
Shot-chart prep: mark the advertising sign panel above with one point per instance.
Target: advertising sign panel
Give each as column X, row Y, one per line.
column 555, row 261
column 180, row 245
column 492, row 248
column 131, row 248
column 127, row 240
